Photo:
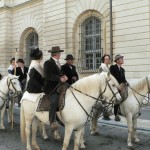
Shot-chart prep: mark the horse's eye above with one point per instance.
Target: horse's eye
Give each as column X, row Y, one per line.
column 14, row 82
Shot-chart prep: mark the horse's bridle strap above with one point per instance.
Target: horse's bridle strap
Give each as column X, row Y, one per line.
column 10, row 83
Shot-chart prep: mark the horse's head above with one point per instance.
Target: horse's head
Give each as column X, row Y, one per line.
column 14, row 84
column 110, row 88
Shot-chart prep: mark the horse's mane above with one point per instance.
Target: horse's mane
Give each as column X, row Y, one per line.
column 87, row 83
column 138, row 84
column 92, row 82
column 8, row 76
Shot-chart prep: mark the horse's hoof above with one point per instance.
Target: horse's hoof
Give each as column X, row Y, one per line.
column 137, row 141
column 59, row 140
column 46, row 139
column 36, row 147
column 130, row 146
column 95, row 133
column 2, row 128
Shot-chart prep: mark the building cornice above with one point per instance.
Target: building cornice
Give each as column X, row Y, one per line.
column 6, row 6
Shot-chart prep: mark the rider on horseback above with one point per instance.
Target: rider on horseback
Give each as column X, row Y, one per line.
column 35, row 79
column 53, row 76
column 119, row 73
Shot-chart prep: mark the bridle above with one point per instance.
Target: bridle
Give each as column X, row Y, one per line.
column 9, row 83
column 100, row 99
column 133, row 91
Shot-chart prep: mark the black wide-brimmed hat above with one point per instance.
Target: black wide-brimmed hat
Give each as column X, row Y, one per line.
column 20, row 60
column 35, row 53
column 117, row 57
column 69, row 57
column 55, row 49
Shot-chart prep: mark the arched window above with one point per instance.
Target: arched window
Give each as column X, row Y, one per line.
column 90, row 44
column 32, row 40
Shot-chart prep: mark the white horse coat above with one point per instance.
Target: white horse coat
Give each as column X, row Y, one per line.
column 131, row 107
column 73, row 116
column 7, row 83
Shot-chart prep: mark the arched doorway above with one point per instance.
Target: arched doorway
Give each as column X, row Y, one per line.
column 31, row 40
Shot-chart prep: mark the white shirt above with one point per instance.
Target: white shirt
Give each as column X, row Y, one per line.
column 103, row 67
column 10, row 67
column 57, row 62
column 22, row 70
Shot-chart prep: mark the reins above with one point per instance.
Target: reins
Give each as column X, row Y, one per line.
column 10, row 83
column 99, row 99
column 133, row 91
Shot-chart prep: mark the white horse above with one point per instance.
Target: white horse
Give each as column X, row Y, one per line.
column 130, row 108
column 79, row 101
column 8, row 84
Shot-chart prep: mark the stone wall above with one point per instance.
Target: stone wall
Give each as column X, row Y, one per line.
column 131, row 26
column 58, row 23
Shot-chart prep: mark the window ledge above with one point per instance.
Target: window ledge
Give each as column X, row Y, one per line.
column 83, row 71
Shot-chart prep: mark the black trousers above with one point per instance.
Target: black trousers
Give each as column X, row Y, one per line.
column 116, row 107
column 53, row 106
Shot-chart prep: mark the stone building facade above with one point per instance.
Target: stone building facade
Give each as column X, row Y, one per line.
column 83, row 28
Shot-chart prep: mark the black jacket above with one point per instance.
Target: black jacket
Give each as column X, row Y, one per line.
column 19, row 73
column 118, row 74
column 52, row 75
column 36, row 82
column 69, row 72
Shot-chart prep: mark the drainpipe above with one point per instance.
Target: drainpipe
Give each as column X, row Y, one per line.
column 111, row 32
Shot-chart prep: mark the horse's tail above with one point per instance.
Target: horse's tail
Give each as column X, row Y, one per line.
column 22, row 125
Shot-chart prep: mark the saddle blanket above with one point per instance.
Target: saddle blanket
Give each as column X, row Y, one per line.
column 31, row 96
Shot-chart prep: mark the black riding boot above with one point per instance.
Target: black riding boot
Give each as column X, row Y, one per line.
column 52, row 111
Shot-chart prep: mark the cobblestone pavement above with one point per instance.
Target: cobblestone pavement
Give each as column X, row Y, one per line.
column 110, row 137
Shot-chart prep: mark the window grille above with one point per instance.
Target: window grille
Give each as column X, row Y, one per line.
column 90, row 45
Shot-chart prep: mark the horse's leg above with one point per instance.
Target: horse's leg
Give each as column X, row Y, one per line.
column 68, row 132
column 57, row 135
column 27, row 131
column 77, row 139
column 9, row 111
column 35, row 124
column 130, row 130
column 137, row 140
column 2, row 117
column 94, row 126
column 82, row 143
column 44, row 134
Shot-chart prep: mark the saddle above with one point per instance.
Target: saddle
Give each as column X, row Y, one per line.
column 44, row 102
